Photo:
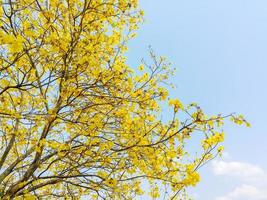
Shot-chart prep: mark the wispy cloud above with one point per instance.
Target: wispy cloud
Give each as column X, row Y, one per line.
column 245, row 192
column 253, row 178
column 243, row 171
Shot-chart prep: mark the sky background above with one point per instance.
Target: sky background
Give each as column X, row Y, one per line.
column 219, row 49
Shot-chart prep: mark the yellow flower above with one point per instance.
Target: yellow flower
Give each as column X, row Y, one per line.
column 141, row 67
column 176, row 104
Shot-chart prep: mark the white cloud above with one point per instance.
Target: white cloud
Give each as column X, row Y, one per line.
column 245, row 192
column 244, row 171
column 253, row 178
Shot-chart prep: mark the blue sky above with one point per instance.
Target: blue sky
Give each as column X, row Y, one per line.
column 220, row 50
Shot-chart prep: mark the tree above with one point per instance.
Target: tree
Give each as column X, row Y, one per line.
column 76, row 120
